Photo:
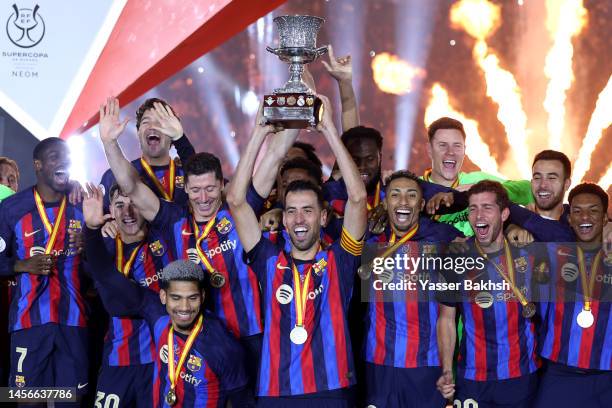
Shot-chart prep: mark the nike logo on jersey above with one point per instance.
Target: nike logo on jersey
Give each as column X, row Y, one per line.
column 29, row 234
column 81, row 386
column 279, row 266
column 186, row 232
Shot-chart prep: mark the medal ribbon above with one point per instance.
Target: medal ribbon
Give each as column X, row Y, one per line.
column 588, row 287
column 124, row 268
column 167, row 195
column 507, row 277
column 173, row 374
column 376, row 198
column 413, row 230
column 199, row 239
column 301, row 293
column 52, row 229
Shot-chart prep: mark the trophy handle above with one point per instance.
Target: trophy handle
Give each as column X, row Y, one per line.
column 272, row 50
column 321, row 50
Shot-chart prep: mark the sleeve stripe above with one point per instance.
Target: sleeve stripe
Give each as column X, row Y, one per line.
column 350, row 244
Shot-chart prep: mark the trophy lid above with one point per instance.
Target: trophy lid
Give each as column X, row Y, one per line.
column 298, row 31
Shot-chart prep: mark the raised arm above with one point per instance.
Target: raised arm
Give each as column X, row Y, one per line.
column 447, row 335
column 356, row 212
column 125, row 174
column 120, row 296
column 342, row 71
column 278, row 147
column 244, row 216
column 170, row 125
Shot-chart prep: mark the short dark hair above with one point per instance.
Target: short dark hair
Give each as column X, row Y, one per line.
column 305, row 185
column 181, row 270
column 558, row 156
column 115, row 189
column 11, row 163
column 590, row 188
column 490, row 186
column 403, row 174
column 43, row 145
column 310, row 152
column 148, row 104
column 303, row 164
column 362, row 132
column 444, row 123
column 202, row 163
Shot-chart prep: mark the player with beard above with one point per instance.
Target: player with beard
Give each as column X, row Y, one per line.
column 307, row 357
column 446, row 148
column 400, row 344
column 497, row 362
column 197, row 362
column 127, row 363
column 203, row 232
column 48, row 317
column 158, row 129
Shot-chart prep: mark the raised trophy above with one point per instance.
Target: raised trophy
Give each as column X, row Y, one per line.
column 295, row 106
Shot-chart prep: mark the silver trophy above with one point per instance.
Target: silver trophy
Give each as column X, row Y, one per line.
column 295, row 105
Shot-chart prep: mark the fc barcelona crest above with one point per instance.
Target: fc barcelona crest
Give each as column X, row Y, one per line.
column 157, row 248
column 179, row 181
column 521, row 264
column 20, row 381
column 319, row 267
column 194, row 363
column 75, row 225
column 224, row 226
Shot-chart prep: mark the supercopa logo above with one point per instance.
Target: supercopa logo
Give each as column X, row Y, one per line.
column 25, row 27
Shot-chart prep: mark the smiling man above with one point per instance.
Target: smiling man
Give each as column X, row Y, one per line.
column 158, row 129
column 196, row 361
column 202, row 231
column 48, row 313
column 306, row 354
column 400, row 345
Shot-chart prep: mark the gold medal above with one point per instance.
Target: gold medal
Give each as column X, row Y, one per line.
column 585, row 318
column 298, row 335
column 217, row 280
column 171, row 398
column 364, row 271
column 529, row 310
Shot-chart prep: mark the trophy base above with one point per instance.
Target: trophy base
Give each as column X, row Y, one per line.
column 293, row 110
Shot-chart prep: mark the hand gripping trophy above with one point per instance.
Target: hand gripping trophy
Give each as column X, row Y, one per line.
column 294, row 105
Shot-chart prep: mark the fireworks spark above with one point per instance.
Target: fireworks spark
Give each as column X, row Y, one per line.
column 476, row 149
column 565, row 20
column 600, row 120
column 606, row 179
column 394, row 75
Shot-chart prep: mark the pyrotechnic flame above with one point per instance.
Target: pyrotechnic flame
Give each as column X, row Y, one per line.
column 479, row 18
column 476, row 149
column 605, row 180
column 394, row 75
column 565, row 19
column 600, row 120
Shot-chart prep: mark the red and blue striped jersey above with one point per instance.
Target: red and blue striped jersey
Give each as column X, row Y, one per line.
column 401, row 331
column 334, row 192
column 497, row 343
column 237, row 302
column 128, row 340
column 38, row 299
column 562, row 339
column 325, row 360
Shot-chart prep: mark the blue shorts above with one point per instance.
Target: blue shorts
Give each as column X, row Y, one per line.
column 50, row 355
column 342, row 398
column 402, row 387
column 563, row 386
column 513, row 393
column 130, row 386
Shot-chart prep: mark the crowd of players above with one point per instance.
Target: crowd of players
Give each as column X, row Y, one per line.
column 247, row 292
